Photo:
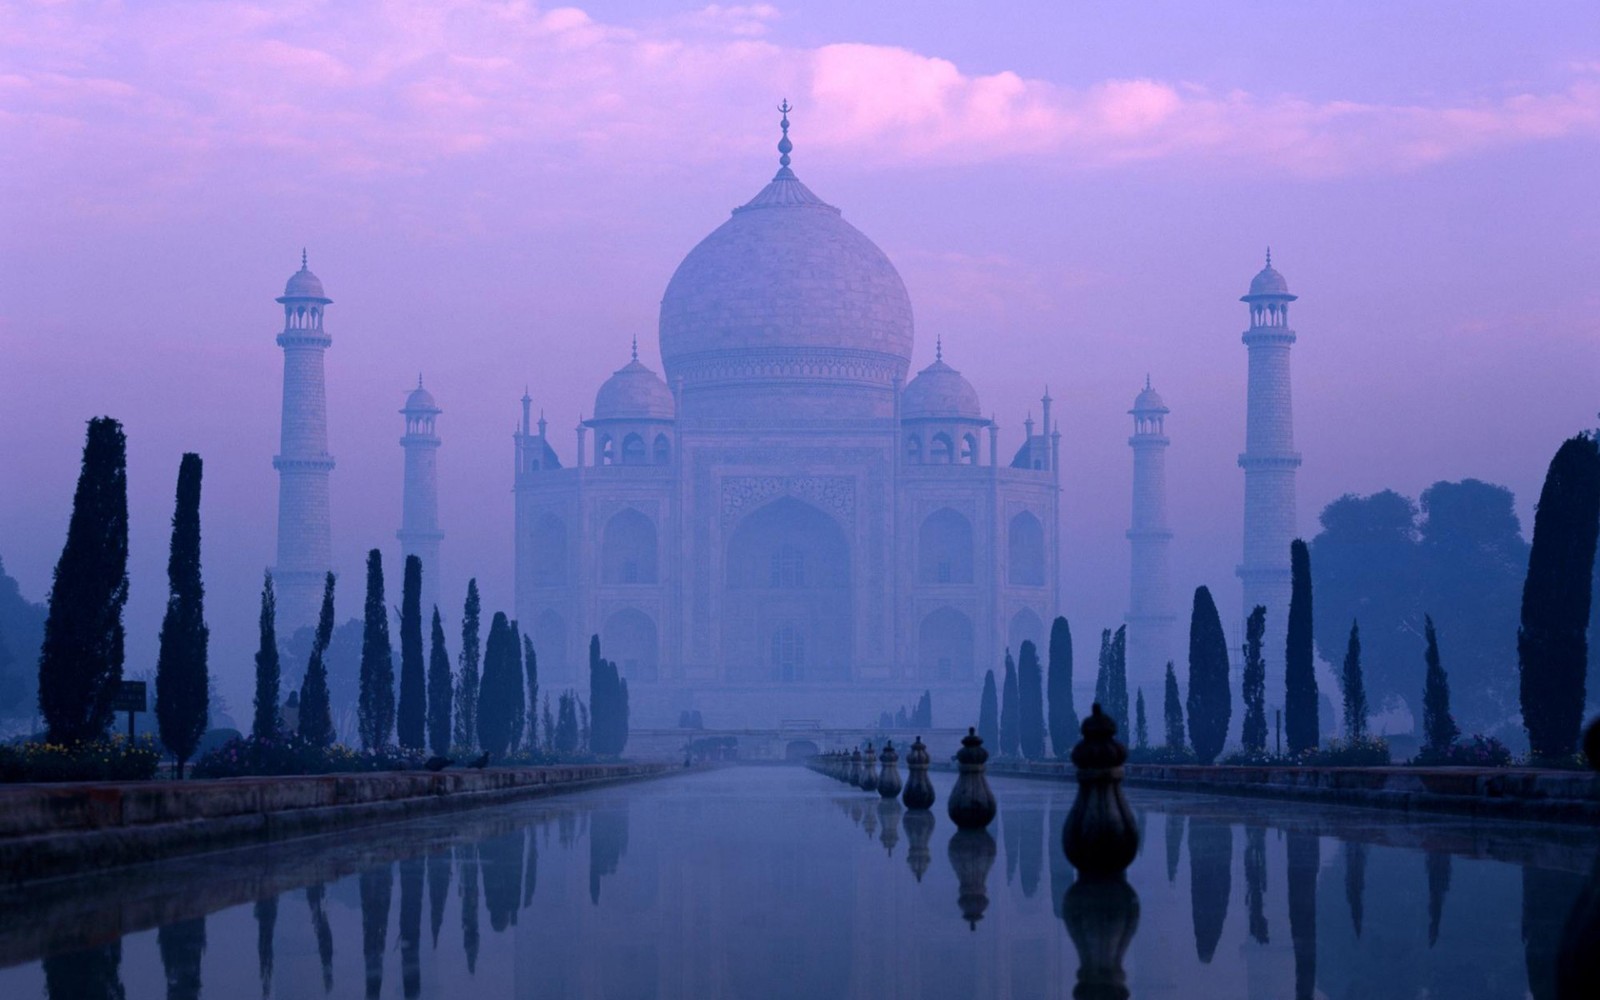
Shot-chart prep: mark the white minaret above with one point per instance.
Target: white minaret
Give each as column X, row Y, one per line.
column 419, row 532
column 1150, row 616
column 1269, row 460
column 305, row 547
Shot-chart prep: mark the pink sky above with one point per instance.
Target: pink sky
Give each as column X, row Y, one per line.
column 496, row 195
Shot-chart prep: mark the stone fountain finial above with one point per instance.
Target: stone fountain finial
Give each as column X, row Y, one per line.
column 889, row 775
column 919, row 793
column 972, row 805
column 1101, row 836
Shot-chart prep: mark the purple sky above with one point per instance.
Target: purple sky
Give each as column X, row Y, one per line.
column 496, row 194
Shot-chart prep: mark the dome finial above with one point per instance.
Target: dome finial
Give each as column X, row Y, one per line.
column 1269, row 256
column 1146, row 381
column 938, row 347
column 785, row 147
column 636, row 347
column 302, row 258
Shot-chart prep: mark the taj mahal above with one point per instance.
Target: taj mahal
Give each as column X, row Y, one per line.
column 788, row 523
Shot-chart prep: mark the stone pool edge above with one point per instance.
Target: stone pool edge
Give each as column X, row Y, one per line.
column 52, row 831
column 1546, row 796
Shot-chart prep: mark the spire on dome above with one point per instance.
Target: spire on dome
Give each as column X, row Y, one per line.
column 636, row 347
column 303, row 265
column 1269, row 256
column 419, row 380
column 938, row 347
column 1146, row 381
column 785, row 147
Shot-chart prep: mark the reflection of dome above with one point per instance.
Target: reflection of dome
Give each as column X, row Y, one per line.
column 303, row 284
column 634, row 392
column 421, row 400
column 1268, row 282
column 940, row 391
column 786, row 288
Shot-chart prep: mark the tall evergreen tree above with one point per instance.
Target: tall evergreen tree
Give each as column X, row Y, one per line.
column 1030, row 697
column 494, row 708
column 549, row 727
column 376, row 708
column 607, row 704
column 515, row 692
column 566, row 740
column 439, row 689
column 1117, row 680
column 1102, row 674
column 1063, row 717
column 1141, row 726
column 1355, row 692
column 80, row 660
column 267, row 720
column 1438, row 726
column 413, row 715
column 467, row 682
column 989, row 712
column 183, row 688
column 530, row 665
column 1010, row 712
column 1254, row 734
column 1172, row 709
column 1552, row 645
column 1209, row 705
column 316, row 714
column 1299, row 670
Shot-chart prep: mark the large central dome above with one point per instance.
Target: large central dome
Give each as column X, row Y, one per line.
column 786, row 290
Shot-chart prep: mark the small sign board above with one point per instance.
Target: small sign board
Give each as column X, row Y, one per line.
column 130, row 698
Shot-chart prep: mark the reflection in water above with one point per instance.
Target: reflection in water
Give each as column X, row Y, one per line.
column 1255, row 880
column 95, row 974
column 467, row 861
column 1102, row 915
column 1210, row 882
column 1355, row 880
column 1438, row 864
column 1174, row 844
column 1061, row 872
column 182, row 945
column 377, row 890
column 1030, row 852
column 608, row 841
column 438, row 892
column 919, row 829
column 315, row 895
column 266, row 913
column 501, row 861
column 1547, row 897
column 411, row 874
column 971, row 854
column 1011, row 840
column 530, row 875
column 1305, row 859
column 889, row 823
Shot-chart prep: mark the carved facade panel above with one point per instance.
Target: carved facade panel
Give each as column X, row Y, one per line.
column 834, row 494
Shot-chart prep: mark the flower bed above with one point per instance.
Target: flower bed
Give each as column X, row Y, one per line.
column 114, row 759
column 289, row 754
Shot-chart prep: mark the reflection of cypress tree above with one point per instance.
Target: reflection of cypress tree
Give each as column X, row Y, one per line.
column 182, row 944
column 324, row 933
column 1438, row 863
column 1174, row 844
column 411, row 927
column 95, row 974
column 438, row 892
column 1547, row 897
column 1061, row 873
column 377, row 890
column 468, row 859
column 530, row 871
column 1355, row 880
column 1011, row 841
column 1030, row 859
column 501, row 858
column 1210, row 883
column 1305, row 859
column 266, row 922
column 1255, row 880
column 608, row 842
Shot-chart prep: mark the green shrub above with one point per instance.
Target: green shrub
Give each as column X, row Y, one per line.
column 1162, row 755
column 290, row 754
column 1475, row 751
column 1256, row 758
column 1365, row 751
column 114, row 759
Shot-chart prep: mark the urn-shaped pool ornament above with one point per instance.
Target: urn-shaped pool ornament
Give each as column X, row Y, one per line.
column 869, row 771
column 1101, row 836
column 919, row 793
column 971, row 804
column 889, row 776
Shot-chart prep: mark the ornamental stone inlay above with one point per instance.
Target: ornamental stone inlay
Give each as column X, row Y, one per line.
column 834, row 494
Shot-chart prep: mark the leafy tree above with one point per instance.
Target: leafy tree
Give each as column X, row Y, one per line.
column 530, row 664
column 182, row 684
column 1209, row 705
column 1438, row 726
column 1141, row 728
column 1116, row 704
column 1254, row 734
column 413, row 677
column 1172, row 709
column 467, row 681
column 1355, row 694
column 267, row 720
column 495, row 710
column 377, row 662
column 1063, row 717
column 1010, row 712
column 1551, row 645
column 438, row 689
column 80, row 661
column 316, row 715
column 566, row 741
column 1299, row 670
column 989, row 712
column 1030, row 697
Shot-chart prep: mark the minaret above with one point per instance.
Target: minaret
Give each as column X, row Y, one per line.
column 305, row 547
column 1150, row 617
column 419, row 532
column 1269, row 459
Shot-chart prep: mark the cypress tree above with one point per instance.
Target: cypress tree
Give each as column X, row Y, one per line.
column 1063, row 717
column 621, row 718
column 267, row 720
column 1141, row 728
column 1030, row 695
column 515, row 694
column 1299, row 672
column 494, row 710
column 530, row 664
column 80, row 660
column 1117, row 680
column 1010, row 712
column 1172, row 708
column 989, row 712
column 549, row 727
column 1552, row 646
column 1254, row 734
column 1438, row 727
column 316, row 715
column 567, row 725
column 1355, row 692
column 598, row 689
column 376, row 707
column 438, row 689
column 413, row 715
column 1209, row 705
column 467, row 682
column 182, row 684
column 1102, row 674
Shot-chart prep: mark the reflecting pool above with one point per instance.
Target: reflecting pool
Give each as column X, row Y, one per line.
column 767, row 882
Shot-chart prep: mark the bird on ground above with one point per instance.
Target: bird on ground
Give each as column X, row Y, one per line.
column 437, row 763
column 480, row 762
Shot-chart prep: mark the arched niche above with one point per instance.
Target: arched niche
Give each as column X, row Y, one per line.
column 628, row 549
column 548, row 551
column 633, row 451
column 1025, row 626
column 629, row 638
column 1025, row 551
column 946, row 648
column 550, row 646
column 944, row 548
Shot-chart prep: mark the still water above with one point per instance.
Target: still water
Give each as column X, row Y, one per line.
column 779, row 882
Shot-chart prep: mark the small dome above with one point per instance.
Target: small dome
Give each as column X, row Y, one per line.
column 421, row 400
column 634, row 392
column 940, row 391
column 304, row 285
column 1268, row 283
column 1149, row 401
